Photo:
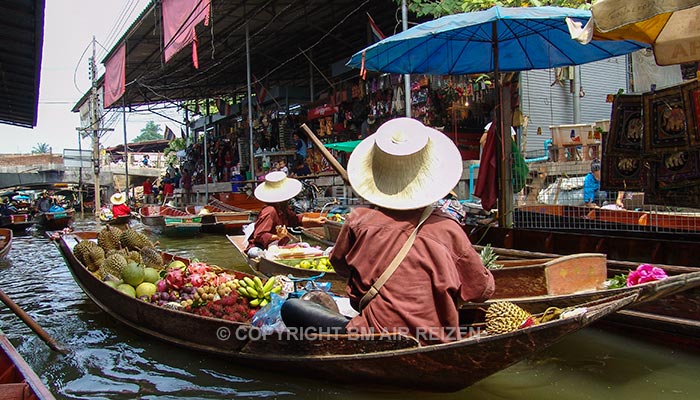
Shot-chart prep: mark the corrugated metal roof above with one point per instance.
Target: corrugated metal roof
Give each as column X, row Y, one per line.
column 329, row 31
column 21, row 42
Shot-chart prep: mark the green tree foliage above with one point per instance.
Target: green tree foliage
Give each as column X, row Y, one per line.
column 41, row 148
column 438, row 8
column 150, row 132
column 174, row 146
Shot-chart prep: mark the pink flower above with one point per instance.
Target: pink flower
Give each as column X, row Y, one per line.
column 645, row 273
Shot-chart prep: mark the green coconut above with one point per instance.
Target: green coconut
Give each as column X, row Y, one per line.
column 127, row 289
column 133, row 274
column 145, row 289
column 151, row 275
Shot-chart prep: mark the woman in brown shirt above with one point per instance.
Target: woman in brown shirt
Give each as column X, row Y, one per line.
column 273, row 220
column 402, row 169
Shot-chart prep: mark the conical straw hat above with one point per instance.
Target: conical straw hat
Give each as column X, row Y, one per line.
column 277, row 188
column 404, row 165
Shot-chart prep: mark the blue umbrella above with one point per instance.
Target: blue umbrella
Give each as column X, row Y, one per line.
column 499, row 39
column 528, row 38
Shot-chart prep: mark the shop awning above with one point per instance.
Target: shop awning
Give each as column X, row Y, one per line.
column 347, row 147
column 284, row 36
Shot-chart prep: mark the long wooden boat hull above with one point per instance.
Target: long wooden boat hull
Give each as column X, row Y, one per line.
column 54, row 221
column 17, row 379
column 119, row 222
column 580, row 219
column 675, row 316
column 615, row 247
column 17, row 222
column 6, row 236
column 393, row 360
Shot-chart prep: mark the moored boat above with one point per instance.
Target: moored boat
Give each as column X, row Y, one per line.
column 54, row 221
column 170, row 221
column 118, row 221
column 217, row 219
column 394, row 360
column 580, row 219
column 671, row 318
column 16, row 222
column 5, row 241
column 17, row 379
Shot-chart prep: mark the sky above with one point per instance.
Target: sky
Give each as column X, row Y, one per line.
column 69, row 26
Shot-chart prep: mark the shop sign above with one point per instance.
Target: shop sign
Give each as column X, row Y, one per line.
column 321, row 111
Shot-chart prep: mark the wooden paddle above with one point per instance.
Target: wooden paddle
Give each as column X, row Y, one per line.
column 43, row 335
column 327, row 154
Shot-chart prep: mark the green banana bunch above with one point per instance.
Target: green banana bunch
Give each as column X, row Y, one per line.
column 256, row 291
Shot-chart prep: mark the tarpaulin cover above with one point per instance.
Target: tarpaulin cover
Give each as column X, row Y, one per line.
column 179, row 19
column 115, row 76
column 347, row 147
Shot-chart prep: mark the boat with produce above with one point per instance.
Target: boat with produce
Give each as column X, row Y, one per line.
column 295, row 261
column 17, row 222
column 219, row 319
column 170, row 221
column 18, row 381
column 539, row 282
column 218, row 218
column 6, row 236
column 54, row 221
column 672, row 318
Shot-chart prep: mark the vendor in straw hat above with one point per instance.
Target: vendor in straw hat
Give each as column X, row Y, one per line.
column 273, row 220
column 119, row 207
column 403, row 169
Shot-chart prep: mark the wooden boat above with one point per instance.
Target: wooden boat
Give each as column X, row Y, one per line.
column 316, row 234
column 118, row 221
column 674, row 318
column 582, row 219
column 615, row 247
column 542, row 282
column 269, row 267
column 221, row 219
column 170, row 221
column 17, row 379
column 241, row 201
column 5, row 241
column 16, row 222
column 393, row 360
column 54, row 221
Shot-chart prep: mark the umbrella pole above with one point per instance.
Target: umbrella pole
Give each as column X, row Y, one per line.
column 503, row 145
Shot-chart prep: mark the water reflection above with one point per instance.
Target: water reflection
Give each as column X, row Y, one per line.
column 110, row 361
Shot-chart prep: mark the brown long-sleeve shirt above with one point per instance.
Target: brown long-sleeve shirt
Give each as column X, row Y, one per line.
column 267, row 222
column 420, row 297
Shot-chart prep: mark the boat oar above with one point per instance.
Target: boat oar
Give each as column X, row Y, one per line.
column 43, row 335
column 327, row 154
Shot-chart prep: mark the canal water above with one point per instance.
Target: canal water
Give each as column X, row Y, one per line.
column 110, row 361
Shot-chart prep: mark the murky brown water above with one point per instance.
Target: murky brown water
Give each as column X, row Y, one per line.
column 110, row 361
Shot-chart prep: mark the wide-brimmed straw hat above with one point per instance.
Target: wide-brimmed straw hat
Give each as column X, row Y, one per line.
column 118, row 198
column 277, row 187
column 404, row 165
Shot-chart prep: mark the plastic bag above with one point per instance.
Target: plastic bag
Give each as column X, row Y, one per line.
column 269, row 317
